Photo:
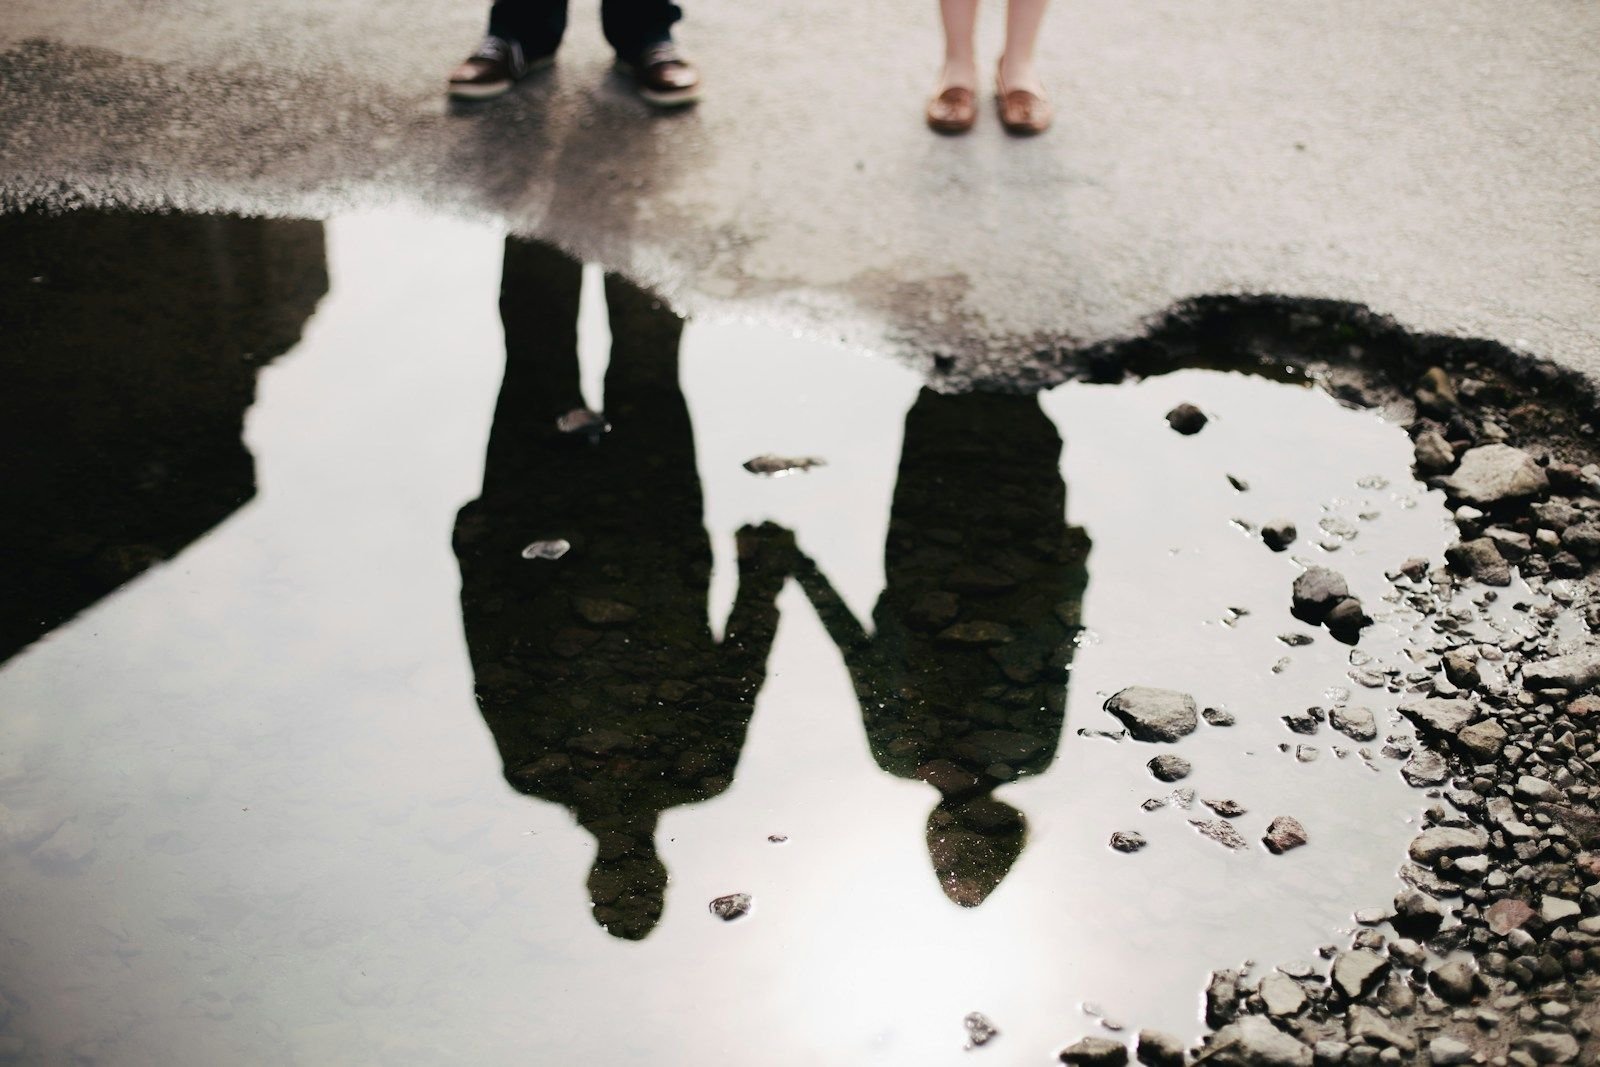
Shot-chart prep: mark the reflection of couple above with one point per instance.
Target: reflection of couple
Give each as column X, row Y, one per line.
column 598, row 674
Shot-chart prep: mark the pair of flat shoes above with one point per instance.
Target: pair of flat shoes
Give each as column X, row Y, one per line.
column 1022, row 113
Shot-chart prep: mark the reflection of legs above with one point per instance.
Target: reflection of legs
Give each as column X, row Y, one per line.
column 627, row 882
column 960, row 19
column 539, row 309
column 1023, row 19
column 632, row 25
column 537, row 24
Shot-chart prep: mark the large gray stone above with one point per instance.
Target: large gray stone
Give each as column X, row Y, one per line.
column 1438, row 717
column 1155, row 714
column 1575, row 670
column 1096, row 1052
column 1436, row 842
column 1357, row 971
column 1357, row 724
column 1483, row 740
column 1494, row 474
column 1316, row 592
column 1281, row 995
column 1254, row 1042
column 1366, row 1027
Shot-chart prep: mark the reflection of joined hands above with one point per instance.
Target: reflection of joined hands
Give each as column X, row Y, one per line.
column 767, row 545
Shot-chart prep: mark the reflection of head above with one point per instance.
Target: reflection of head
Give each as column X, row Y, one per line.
column 973, row 845
column 627, row 882
column 597, row 672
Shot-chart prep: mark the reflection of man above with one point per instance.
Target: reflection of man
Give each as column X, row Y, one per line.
column 596, row 671
column 962, row 684
column 524, row 34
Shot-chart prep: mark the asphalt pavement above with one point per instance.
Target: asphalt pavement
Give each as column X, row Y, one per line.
column 1438, row 162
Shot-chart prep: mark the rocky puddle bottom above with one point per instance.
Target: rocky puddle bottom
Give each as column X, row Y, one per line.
column 419, row 645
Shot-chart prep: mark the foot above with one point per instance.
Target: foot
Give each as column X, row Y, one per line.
column 663, row 75
column 496, row 65
column 953, row 108
column 1024, row 109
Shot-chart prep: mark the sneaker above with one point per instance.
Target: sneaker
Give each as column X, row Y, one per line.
column 494, row 68
column 663, row 75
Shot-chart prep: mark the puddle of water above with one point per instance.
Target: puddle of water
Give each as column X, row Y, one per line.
column 255, row 804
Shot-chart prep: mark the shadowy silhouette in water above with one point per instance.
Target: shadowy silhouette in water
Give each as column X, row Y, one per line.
column 129, row 347
column 597, row 672
column 963, row 681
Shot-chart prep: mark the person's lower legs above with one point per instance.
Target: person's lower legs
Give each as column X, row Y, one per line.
column 960, row 19
column 1023, row 19
column 631, row 26
column 538, row 25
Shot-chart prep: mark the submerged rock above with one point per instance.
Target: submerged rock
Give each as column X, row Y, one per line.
column 1186, row 419
column 1494, row 474
column 1155, row 715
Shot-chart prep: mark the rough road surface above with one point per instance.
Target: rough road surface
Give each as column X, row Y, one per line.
column 1433, row 161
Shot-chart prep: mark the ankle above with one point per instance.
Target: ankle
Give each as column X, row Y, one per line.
column 959, row 71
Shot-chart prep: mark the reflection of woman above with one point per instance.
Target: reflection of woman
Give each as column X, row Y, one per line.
column 962, row 684
column 597, row 672
column 1024, row 108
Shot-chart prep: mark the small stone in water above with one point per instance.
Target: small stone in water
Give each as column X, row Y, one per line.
column 1295, row 640
column 1279, row 534
column 1284, row 833
column 553, row 549
column 1220, row 831
column 1239, row 483
column 1169, row 768
column 980, row 1031
column 1218, row 717
column 1228, row 809
column 777, row 466
column 731, row 907
column 582, row 420
column 1127, row 841
column 1186, row 419
column 777, row 839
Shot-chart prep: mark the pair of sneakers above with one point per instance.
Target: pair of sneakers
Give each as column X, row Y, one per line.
column 662, row 74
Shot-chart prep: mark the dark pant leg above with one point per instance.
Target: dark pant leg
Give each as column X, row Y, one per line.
column 537, row 24
column 631, row 26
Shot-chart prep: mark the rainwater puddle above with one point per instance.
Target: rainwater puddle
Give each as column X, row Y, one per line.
column 328, row 772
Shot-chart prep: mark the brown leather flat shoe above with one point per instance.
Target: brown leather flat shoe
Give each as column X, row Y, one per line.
column 953, row 111
column 1022, row 113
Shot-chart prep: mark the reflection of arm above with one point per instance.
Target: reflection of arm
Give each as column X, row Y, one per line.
column 764, row 555
column 837, row 618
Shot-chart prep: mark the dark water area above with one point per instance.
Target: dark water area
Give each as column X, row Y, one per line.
column 368, row 701
column 131, row 346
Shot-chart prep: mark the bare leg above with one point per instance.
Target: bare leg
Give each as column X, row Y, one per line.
column 1023, row 19
column 960, row 19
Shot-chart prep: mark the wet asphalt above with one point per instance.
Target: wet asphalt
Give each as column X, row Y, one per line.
column 1434, row 161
